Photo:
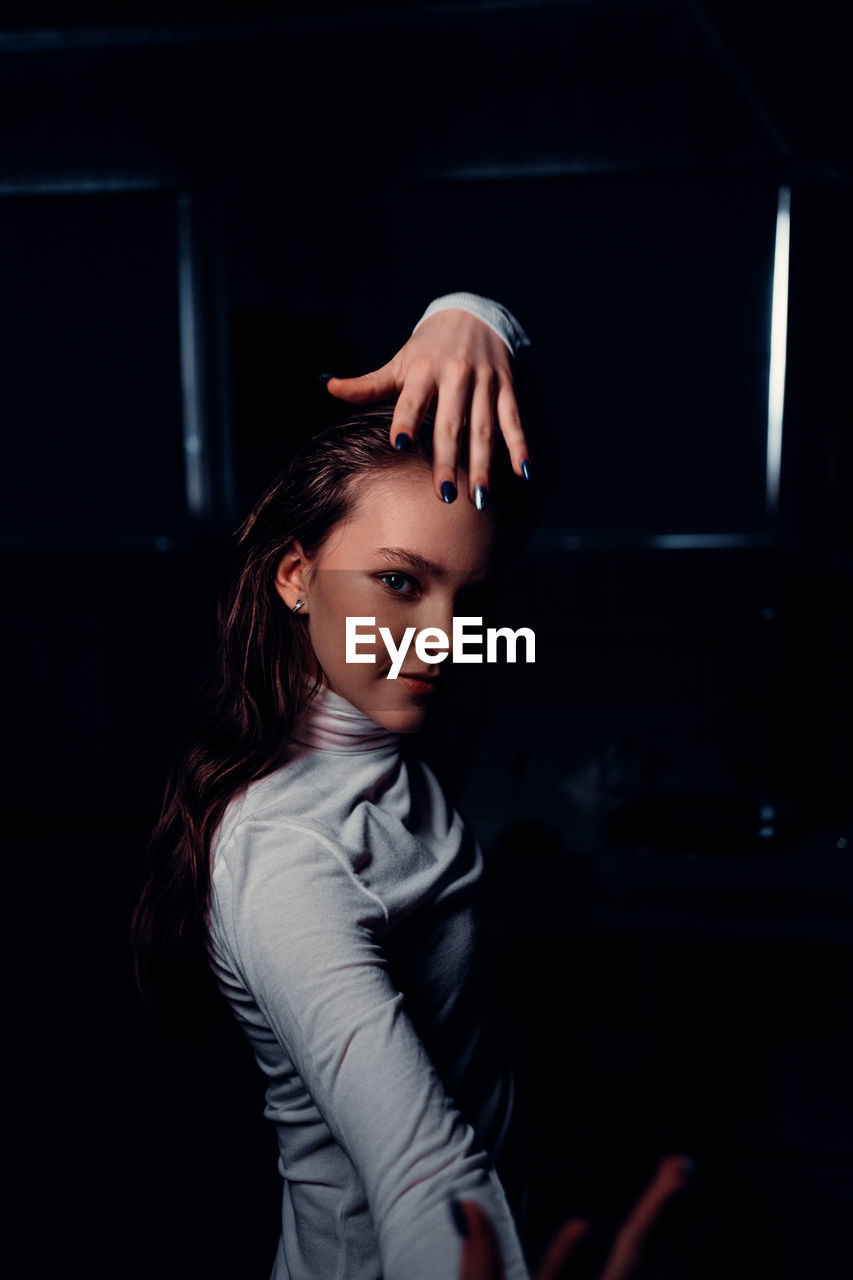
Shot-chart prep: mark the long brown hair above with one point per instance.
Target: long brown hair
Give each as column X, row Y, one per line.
column 265, row 676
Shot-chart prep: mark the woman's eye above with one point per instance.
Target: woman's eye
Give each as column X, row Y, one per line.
column 400, row 583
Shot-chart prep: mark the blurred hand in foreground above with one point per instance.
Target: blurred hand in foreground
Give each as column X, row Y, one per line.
column 481, row 1259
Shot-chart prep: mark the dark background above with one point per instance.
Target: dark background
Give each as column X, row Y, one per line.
column 200, row 210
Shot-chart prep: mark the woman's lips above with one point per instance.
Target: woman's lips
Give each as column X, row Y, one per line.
column 423, row 684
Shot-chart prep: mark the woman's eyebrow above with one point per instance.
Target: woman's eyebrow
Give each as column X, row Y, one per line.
column 410, row 558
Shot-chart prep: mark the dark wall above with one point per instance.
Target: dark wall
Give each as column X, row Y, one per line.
column 202, row 210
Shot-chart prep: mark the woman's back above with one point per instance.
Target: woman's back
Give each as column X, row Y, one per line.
column 343, row 931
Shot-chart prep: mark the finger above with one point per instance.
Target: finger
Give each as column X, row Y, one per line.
column 378, row 385
column 509, row 421
column 671, row 1175
column 481, row 1255
column 415, row 399
column 453, row 397
column 561, row 1249
column 481, row 430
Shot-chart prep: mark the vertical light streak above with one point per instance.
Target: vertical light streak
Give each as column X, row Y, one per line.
column 191, row 391
column 778, row 348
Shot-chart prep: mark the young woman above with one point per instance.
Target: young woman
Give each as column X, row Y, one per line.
column 310, row 861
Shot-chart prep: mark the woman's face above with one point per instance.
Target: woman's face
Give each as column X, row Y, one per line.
column 405, row 560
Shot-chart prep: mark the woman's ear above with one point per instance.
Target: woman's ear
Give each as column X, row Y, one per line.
column 290, row 578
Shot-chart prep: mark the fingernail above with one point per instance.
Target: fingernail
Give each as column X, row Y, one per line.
column 448, row 491
column 459, row 1219
column 324, row 377
column 481, row 496
column 525, row 469
column 402, row 441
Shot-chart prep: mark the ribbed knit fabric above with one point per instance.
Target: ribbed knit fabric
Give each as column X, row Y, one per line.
column 344, row 932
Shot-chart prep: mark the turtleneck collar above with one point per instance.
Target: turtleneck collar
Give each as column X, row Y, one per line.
column 331, row 723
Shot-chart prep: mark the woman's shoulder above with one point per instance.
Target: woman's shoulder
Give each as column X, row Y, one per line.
column 267, row 858
column 274, row 803
column 392, row 833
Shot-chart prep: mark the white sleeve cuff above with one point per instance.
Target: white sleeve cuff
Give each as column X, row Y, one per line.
column 503, row 322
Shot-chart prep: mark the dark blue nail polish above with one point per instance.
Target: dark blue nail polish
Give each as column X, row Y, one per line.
column 402, row 441
column 481, row 496
column 448, row 491
column 525, row 469
column 324, row 378
column 459, row 1220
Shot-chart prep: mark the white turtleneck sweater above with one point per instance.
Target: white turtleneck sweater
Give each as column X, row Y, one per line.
column 344, row 933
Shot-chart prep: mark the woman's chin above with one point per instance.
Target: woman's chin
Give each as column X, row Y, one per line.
column 406, row 721
column 396, row 707
column 401, row 719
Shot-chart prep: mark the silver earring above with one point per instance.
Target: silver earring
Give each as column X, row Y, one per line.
column 297, row 606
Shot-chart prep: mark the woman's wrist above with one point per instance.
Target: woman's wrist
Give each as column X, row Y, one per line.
column 497, row 317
